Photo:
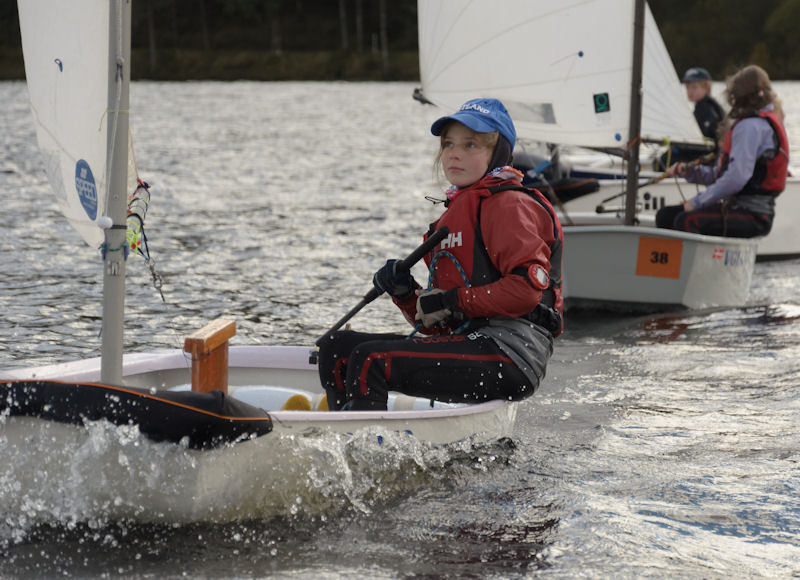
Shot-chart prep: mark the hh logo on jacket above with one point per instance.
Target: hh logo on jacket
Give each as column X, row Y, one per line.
column 451, row 241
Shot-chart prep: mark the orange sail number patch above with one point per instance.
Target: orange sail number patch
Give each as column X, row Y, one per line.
column 659, row 258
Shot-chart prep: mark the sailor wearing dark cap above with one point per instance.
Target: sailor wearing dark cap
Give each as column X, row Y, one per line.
column 707, row 110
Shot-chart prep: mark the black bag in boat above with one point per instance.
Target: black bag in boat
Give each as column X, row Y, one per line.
column 207, row 420
column 564, row 186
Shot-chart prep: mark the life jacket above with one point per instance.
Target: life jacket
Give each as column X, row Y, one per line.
column 771, row 169
column 470, row 251
column 549, row 311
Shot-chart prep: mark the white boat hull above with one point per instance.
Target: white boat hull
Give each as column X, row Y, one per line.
column 259, row 477
column 265, row 376
column 636, row 268
column 782, row 243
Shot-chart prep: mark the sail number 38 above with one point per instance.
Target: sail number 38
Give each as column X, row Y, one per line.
column 658, row 257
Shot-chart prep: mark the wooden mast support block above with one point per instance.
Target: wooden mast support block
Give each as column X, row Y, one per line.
column 209, row 349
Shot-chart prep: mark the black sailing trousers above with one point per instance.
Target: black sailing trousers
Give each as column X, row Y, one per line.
column 714, row 221
column 359, row 369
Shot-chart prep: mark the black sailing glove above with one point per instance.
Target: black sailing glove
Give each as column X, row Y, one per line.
column 436, row 306
column 394, row 283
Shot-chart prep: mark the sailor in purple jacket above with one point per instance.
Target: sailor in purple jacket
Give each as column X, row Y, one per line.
column 750, row 171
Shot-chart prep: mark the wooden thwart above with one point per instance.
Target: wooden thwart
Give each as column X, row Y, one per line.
column 209, row 349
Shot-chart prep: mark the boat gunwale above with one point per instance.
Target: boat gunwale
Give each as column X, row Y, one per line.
column 659, row 232
column 137, row 363
column 289, row 357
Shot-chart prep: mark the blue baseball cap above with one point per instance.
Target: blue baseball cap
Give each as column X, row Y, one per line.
column 482, row 116
column 696, row 74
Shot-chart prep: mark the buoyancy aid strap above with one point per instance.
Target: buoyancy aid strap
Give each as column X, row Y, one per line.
column 499, row 188
column 545, row 313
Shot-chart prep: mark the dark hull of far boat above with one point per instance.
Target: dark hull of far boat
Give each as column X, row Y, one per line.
column 202, row 420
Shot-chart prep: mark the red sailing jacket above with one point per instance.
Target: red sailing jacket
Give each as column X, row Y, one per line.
column 769, row 175
column 518, row 234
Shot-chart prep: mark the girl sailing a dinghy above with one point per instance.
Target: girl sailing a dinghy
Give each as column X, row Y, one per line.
column 750, row 172
column 493, row 302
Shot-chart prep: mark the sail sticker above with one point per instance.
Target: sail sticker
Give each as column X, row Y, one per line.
column 87, row 191
column 659, row 258
column 601, row 103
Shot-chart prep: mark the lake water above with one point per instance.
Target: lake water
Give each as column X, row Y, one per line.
column 658, row 446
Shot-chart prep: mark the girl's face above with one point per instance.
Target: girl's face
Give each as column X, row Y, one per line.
column 464, row 159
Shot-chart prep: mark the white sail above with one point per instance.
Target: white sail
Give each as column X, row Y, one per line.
column 66, row 52
column 563, row 69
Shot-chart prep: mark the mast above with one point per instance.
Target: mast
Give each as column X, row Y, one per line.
column 635, row 123
column 117, row 184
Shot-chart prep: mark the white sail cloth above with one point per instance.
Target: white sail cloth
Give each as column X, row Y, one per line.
column 66, row 52
column 563, row 69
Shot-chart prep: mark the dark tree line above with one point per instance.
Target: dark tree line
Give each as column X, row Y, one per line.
column 276, row 25
column 720, row 35
column 724, row 35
